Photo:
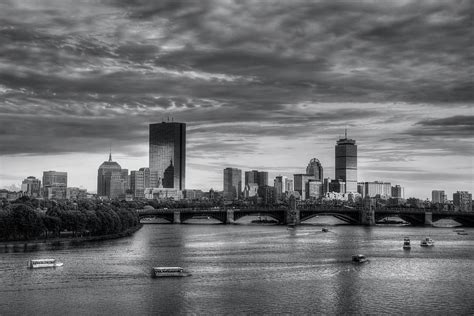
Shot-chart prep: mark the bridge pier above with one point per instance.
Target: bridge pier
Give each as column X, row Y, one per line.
column 292, row 216
column 177, row 217
column 428, row 219
column 367, row 213
column 229, row 217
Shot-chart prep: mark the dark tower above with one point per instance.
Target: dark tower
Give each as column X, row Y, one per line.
column 168, row 143
column 346, row 162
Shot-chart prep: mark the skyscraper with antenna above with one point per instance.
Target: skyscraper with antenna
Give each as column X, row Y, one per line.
column 346, row 162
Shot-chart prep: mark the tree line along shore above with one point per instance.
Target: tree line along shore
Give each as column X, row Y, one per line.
column 33, row 220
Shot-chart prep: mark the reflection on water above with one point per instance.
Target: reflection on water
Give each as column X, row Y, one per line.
column 246, row 269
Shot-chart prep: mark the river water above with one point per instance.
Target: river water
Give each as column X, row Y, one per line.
column 247, row 269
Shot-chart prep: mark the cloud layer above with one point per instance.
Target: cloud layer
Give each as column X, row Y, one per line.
column 249, row 78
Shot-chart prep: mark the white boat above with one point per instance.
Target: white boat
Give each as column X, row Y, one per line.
column 359, row 259
column 427, row 242
column 158, row 272
column 406, row 243
column 43, row 263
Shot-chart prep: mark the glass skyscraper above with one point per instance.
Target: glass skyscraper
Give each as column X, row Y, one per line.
column 346, row 162
column 167, row 155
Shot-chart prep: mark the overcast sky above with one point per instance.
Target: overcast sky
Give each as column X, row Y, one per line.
column 264, row 85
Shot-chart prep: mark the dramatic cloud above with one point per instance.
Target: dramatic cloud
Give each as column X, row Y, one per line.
column 277, row 80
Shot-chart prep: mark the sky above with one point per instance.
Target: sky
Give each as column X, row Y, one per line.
column 263, row 85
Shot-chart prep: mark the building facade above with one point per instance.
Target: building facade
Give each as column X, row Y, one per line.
column 301, row 184
column 462, row 200
column 346, row 162
column 280, row 186
column 315, row 169
column 372, row 189
column 398, row 192
column 258, row 177
column 232, row 184
column 438, row 196
column 31, row 187
column 111, row 181
column 167, row 155
column 54, row 185
column 139, row 181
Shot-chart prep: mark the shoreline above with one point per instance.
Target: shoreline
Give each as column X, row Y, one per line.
column 72, row 240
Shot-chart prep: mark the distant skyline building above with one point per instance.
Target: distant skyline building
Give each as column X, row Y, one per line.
column 398, row 191
column 139, row 181
column 280, row 186
column 111, row 179
column 346, row 162
column 301, row 184
column 463, row 201
column 232, row 184
column 167, row 155
column 31, row 187
column 258, row 177
column 372, row 189
column 438, row 196
column 54, row 185
column 315, row 169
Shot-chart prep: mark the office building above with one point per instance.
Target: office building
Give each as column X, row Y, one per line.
column 111, row 181
column 250, row 191
column 76, row 193
column 167, row 155
column 232, row 184
column 301, row 184
column 315, row 189
column 289, row 185
column 54, row 185
column 315, row 169
column 438, row 196
column 337, row 186
column 267, row 194
column 462, row 201
column 31, row 187
column 398, row 192
column 372, row 189
column 346, row 162
column 139, row 181
column 279, row 184
column 258, row 177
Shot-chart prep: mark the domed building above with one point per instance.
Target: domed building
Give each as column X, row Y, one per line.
column 315, row 169
column 111, row 181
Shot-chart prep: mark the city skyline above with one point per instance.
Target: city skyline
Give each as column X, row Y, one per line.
column 262, row 86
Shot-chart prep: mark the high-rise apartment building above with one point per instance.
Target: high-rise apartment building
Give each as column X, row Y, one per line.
column 54, row 185
column 31, row 187
column 346, row 162
column 398, row 191
column 111, row 180
column 372, row 189
column 167, row 155
column 258, row 177
column 438, row 196
column 139, row 181
column 315, row 169
column 232, row 184
column 463, row 201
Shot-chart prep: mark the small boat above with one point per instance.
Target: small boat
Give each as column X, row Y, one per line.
column 359, row 259
column 427, row 242
column 324, row 230
column 158, row 272
column 43, row 263
column 406, row 243
column 462, row 233
column 458, row 230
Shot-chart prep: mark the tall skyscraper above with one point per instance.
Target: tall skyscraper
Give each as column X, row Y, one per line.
column 279, row 183
column 315, row 169
column 398, row 191
column 31, row 187
column 258, row 177
column 232, row 183
column 438, row 196
column 168, row 155
column 346, row 162
column 54, row 185
column 111, row 181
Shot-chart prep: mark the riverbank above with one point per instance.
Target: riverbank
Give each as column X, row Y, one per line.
column 70, row 240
